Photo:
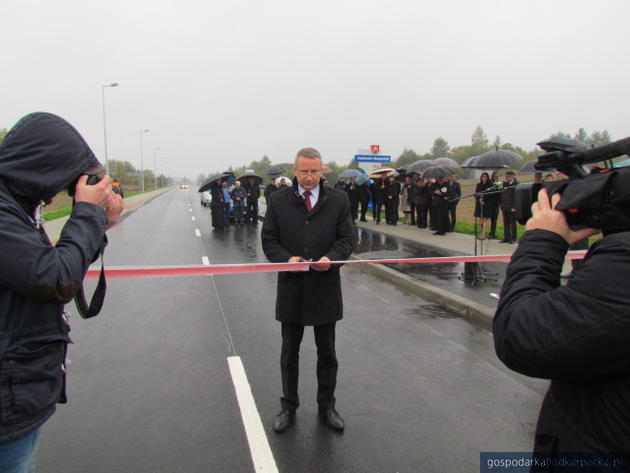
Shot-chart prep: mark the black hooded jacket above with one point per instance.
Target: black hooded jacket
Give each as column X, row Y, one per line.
column 39, row 157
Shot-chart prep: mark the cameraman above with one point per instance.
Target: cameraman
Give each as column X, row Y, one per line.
column 39, row 157
column 577, row 335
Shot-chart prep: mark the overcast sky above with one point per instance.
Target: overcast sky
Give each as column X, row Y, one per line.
column 224, row 82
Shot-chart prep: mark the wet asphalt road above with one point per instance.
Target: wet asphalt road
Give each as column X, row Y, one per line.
column 150, row 389
column 375, row 245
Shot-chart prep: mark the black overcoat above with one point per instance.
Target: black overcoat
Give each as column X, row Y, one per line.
column 577, row 335
column 311, row 297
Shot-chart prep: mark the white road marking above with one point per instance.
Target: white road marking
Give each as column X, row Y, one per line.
column 193, row 218
column 197, row 232
column 205, row 260
column 262, row 457
column 190, row 210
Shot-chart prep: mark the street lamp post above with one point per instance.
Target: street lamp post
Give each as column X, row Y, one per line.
column 113, row 84
column 155, row 150
column 142, row 132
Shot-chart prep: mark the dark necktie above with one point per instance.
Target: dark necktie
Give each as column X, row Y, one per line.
column 307, row 200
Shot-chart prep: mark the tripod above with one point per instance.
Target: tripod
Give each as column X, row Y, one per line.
column 474, row 272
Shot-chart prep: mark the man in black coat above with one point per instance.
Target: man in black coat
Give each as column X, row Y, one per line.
column 308, row 222
column 39, row 157
column 455, row 192
column 353, row 194
column 440, row 196
column 269, row 189
column 508, row 209
column 576, row 335
column 392, row 200
column 252, row 194
column 364, row 199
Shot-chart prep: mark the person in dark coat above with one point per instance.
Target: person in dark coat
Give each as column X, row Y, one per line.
column 308, row 222
column 381, row 197
column 575, row 335
column 364, row 199
column 482, row 210
column 252, row 194
column 269, row 189
column 41, row 156
column 353, row 194
column 340, row 184
column 455, row 192
column 392, row 200
column 217, row 207
column 440, row 193
column 507, row 208
column 493, row 201
column 374, row 185
column 421, row 202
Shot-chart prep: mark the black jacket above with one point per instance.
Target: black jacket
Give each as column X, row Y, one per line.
column 353, row 192
column 439, row 200
column 253, row 190
column 39, row 157
column 269, row 189
column 313, row 297
column 507, row 196
column 577, row 335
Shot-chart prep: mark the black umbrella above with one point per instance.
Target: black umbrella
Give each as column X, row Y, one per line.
column 276, row 170
column 420, row 165
column 498, row 158
column 207, row 183
column 446, row 162
column 468, row 162
column 436, row 171
column 245, row 178
column 529, row 166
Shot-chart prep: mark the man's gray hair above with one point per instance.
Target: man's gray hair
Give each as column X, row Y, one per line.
column 310, row 153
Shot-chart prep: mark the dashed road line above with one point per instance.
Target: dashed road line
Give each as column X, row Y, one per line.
column 205, row 261
column 197, row 232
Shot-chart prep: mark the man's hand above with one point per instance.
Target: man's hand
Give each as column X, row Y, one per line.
column 97, row 194
column 546, row 217
column 321, row 264
column 115, row 206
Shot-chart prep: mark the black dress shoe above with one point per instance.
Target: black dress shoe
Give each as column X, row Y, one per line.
column 332, row 419
column 283, row 421
column 504, row 241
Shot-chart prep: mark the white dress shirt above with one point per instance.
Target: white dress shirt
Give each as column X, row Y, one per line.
column 314, row 194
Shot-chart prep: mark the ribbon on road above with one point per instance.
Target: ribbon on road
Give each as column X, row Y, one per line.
column 115, row 272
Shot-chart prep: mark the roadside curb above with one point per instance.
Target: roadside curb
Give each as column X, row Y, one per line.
column 472, row 311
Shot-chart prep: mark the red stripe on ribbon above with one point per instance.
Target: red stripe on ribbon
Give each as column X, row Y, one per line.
column 199, row 270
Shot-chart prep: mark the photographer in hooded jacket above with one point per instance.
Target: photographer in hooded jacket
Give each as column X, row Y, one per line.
column 39, row 157
column 577, row 335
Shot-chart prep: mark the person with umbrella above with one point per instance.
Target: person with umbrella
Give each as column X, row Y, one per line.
column 227, row 202
column 252, row 192
column 270, row 188
column 440, row 195
column 421, row 201
column 482, row 210
column 508, row 209
column 353, row 194
column 392, row 195
column 238, row 195
column 309, row 222
column 493, row 201
column 406, row 201
column 455, row 191
column 340, row 184
column 364, row 198
column 217, row 205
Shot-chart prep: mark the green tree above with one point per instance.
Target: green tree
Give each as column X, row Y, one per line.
column 599, row 138
column 3, row 133
column 408, row 156
column 479, row 138
column 497, row 142
column 581, row 135
column 440, row 148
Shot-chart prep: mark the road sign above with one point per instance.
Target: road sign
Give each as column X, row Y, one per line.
column 372, row 158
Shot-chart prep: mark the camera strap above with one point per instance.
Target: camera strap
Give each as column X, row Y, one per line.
column 98, row 297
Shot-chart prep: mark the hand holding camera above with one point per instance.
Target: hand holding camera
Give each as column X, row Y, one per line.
column 546, row 217
column 100, row 194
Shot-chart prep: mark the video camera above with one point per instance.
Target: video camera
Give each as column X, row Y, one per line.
column 597, row 198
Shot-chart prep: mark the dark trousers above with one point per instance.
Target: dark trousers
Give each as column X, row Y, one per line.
column 326, row 365
column 226, row 215
column 354, row 210
column 432, row 217
column 509, row 225
column 391, row 211
column 218, row 218
column 376, row 212
column 252, row 211
column 441, row 219
column 452, row 211
column 412, row 213
column 364, row 209
column 239, row 214
column 421, row 215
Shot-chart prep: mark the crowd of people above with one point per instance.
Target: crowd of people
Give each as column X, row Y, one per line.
column 237, row 204
column 425, row 203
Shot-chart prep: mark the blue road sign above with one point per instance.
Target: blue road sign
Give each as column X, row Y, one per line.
column 372, row 158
